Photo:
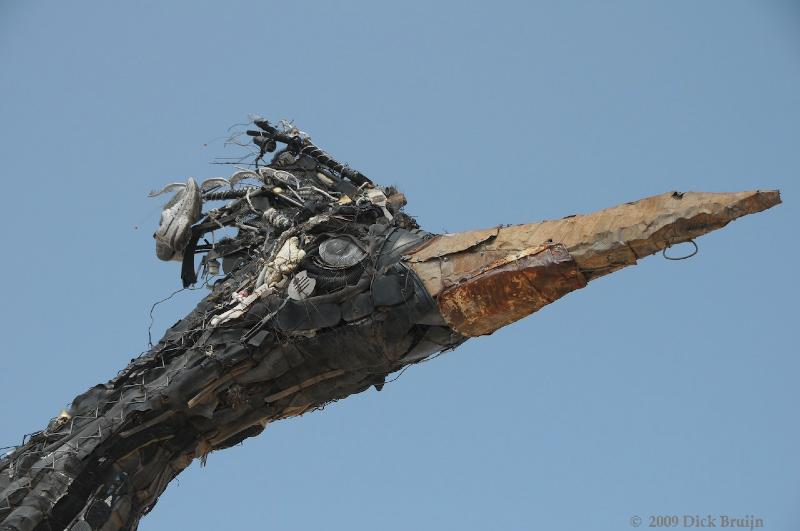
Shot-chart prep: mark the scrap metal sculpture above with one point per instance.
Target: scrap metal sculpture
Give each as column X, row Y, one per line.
column 327, row 287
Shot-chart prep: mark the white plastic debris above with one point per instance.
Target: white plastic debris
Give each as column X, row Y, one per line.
column 244, row 303
column 285, row 261
column 378, row 198
column 301, row 286
column 273, row 275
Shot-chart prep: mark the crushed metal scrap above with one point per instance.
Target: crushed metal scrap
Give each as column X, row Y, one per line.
column 322, row 289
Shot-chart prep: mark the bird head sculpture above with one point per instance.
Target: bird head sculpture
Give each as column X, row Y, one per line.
column 321, row 288
column 328, row 286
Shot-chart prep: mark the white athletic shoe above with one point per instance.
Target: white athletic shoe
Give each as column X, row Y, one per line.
column 177, row 218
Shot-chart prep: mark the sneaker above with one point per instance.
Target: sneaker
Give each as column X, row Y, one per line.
column 177, row 218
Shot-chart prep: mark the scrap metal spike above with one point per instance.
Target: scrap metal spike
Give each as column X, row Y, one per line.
column 486, row 279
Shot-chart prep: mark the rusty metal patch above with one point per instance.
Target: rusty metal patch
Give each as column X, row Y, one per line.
column 498, row 296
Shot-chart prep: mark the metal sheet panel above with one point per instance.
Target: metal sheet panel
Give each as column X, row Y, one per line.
column 501, row 295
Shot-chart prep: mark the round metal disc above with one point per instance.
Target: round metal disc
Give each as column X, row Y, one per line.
column 340, row 252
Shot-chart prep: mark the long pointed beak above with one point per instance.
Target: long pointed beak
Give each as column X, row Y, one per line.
column 486, row 279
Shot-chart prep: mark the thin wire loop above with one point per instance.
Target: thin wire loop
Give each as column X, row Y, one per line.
column 664, row 252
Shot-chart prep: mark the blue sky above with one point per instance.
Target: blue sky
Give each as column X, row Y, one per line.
column 668, row 388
